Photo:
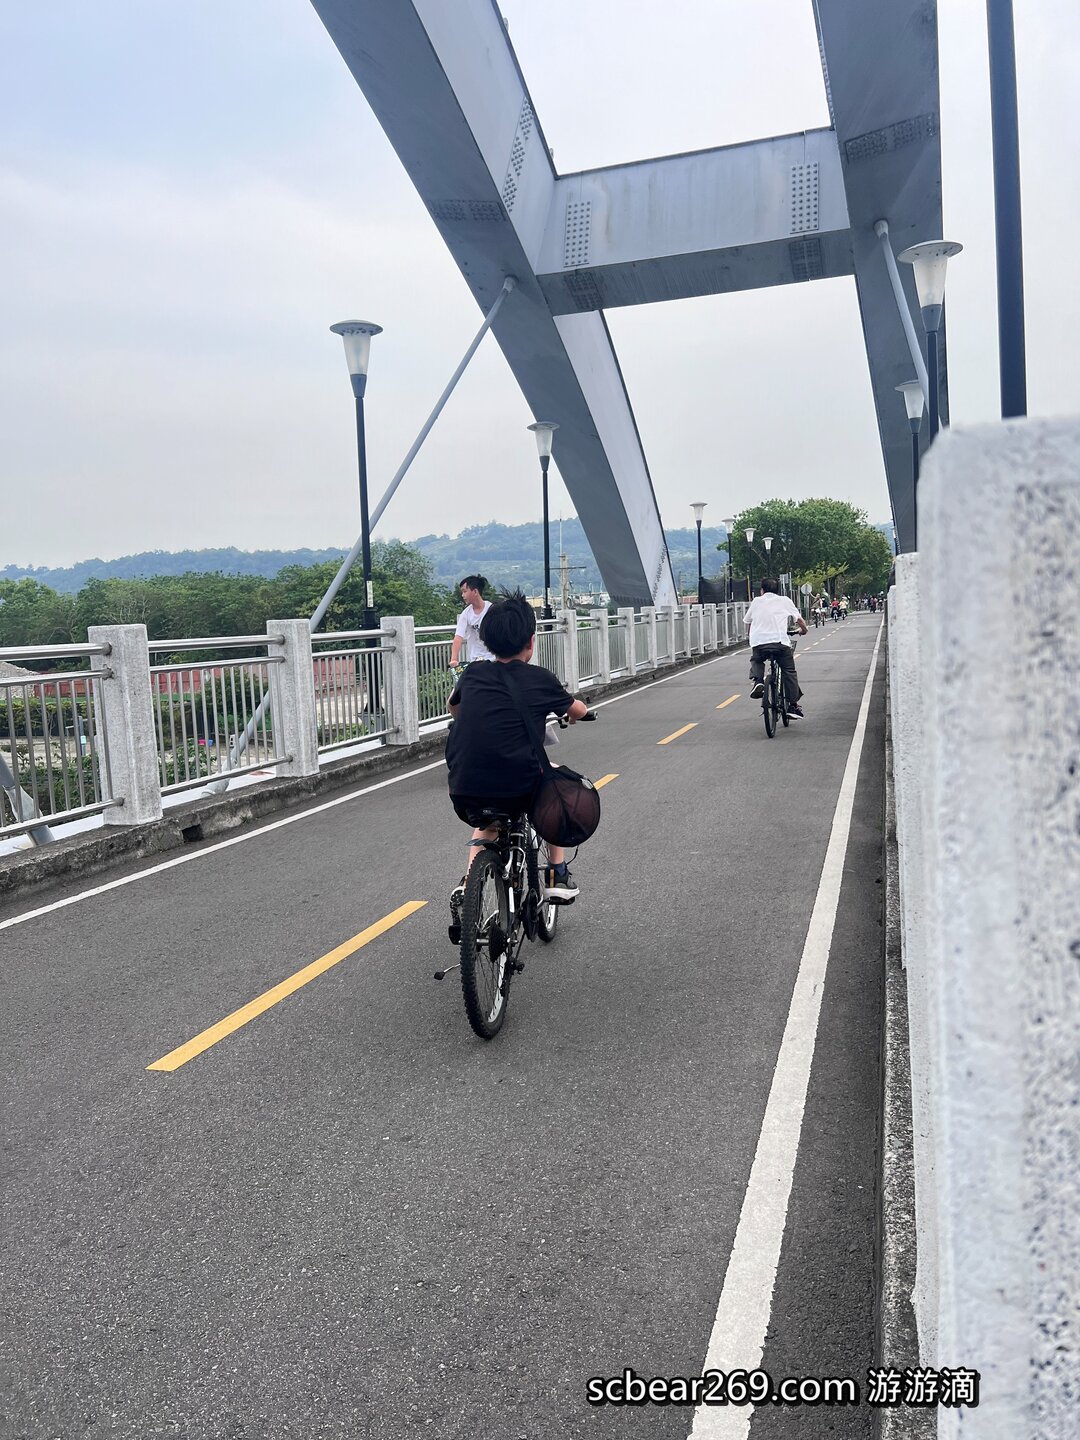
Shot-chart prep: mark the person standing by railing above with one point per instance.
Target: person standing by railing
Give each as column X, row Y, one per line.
column 467, row 634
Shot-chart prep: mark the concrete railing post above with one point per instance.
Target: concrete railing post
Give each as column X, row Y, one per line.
column 626, row 619
column 400, row 632
column 292, row 697
column 709, row 622
column 673, row 633
column 999, row 687
column 649, row 615
column 128, row 713
column 906, row 714
column 568, row 620
column 603, row 643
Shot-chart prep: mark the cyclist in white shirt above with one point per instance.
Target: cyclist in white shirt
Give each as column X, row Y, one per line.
column 467, row 633
column 767, row 619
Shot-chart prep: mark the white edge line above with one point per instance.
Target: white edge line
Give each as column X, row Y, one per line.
column 211, row 849
column 280, row 824
column 314, row 810
column 743, row 1311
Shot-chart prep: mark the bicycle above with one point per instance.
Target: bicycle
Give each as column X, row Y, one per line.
column 774, row 703
column 504, row 905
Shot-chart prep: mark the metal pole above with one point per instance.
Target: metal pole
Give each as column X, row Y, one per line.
column 699, row 577
column 932, row 373
column 914, row 485
column 1008, row 222
column 508, row 285
column 881, row 230
column 23, row 806
column 750, row 581
column 547, row 542
column 365, row 528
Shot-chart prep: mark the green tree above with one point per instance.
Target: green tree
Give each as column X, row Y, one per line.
column 818, row 540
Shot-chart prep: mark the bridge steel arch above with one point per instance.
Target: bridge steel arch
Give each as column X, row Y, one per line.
column 445, row 84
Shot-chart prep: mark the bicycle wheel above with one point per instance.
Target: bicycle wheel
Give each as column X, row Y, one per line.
column 768, row 702
column 547, row 914
column 485, row 967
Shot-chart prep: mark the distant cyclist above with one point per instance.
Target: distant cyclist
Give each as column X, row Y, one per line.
column 768, row 621
column 467, row 634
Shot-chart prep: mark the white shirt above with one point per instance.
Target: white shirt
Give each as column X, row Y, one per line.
column 768, row 620
column 468, row 628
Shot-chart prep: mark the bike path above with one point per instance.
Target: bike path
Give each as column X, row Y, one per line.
column 215, row 1251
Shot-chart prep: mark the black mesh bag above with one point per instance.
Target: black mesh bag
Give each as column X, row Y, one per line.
column 565, row 808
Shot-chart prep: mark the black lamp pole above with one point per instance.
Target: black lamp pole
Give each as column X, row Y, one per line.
column 365, row 529
column 544, row 431
column 1008, row 229
column 357, row 337
column 548, row 612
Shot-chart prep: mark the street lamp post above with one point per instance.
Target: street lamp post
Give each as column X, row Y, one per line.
column 544, row 430
column 749, row 533
column 729, row 526
column 357, row 337
column 698, row 507
column 913, row 401
column 929, row 260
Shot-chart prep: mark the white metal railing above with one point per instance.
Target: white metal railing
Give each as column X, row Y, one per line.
column 54, row 744
column 434, row 681
column 550, row 650
column 618, row 638
column 588, row 651
column 193, row 712
column 353, row 702
column 203, row 703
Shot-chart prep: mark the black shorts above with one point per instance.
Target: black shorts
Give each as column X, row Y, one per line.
column 467, row 806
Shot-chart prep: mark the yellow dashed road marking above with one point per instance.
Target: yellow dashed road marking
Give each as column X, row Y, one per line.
column 183, row 1053
column 668, row 739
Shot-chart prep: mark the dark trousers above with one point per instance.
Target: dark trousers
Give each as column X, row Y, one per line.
column 783, row 653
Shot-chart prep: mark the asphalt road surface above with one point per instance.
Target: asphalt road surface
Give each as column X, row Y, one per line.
column 350, row 1217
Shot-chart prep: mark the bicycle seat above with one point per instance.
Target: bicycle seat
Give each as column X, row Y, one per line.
column 481, row 819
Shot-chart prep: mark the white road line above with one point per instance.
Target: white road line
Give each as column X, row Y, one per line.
column 280, row 824
column 212, row 849
column 737, row 1340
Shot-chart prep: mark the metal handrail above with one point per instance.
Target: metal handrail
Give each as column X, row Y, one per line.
column 223, row 642
column 63, row 676
column 52, row 652
column 325, row 637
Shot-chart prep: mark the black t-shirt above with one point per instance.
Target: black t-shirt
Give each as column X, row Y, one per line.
column 488, row 752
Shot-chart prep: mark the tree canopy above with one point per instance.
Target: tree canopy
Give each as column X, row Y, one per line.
column 826, row 542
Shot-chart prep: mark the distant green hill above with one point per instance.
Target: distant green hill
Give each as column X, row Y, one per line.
column 506, row 554
column 267, row 563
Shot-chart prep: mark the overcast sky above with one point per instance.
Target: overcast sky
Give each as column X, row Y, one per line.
column 191, row 193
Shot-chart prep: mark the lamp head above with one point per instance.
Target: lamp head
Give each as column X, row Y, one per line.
column 357, row 337
column 929, row 260
column 544, row 430
column 698, row 507
column 749, row 533
column 913, row 402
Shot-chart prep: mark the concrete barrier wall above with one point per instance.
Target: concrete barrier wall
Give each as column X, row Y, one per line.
column 986, row 675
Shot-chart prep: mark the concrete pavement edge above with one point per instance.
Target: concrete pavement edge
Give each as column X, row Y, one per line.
column 897, row 1338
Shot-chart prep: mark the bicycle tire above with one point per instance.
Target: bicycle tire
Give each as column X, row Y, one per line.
column 768, row 703
column 781, row 693
column 547, row 914
column 485, row 957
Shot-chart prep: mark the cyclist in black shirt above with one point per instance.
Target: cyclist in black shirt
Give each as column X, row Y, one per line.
column 491, row 760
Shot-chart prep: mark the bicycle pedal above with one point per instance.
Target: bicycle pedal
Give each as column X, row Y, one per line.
column 517, row 966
